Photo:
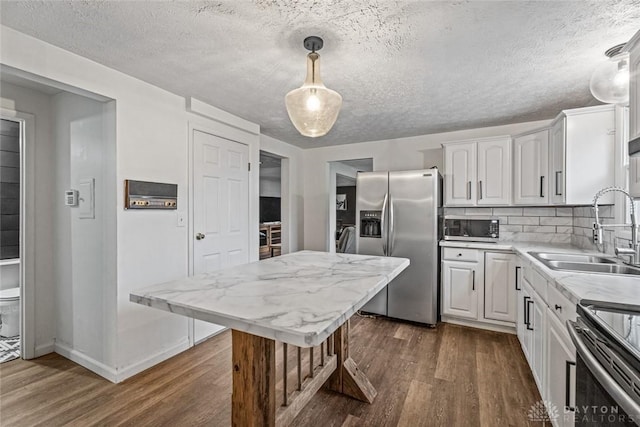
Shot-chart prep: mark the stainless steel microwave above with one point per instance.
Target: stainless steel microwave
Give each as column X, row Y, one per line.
column 472, row 228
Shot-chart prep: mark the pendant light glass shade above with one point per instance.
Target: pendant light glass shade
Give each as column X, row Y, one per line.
column 610, row 81
column 312, row 108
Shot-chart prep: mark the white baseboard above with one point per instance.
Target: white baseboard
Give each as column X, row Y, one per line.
column 218, row 332
column 129, row 371
column 480, row 325
column 45, row 348
column 82, row 359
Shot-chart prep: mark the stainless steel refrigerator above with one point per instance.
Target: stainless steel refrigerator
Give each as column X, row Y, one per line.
column 398, row 214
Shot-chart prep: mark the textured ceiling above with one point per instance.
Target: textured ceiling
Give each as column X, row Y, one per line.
column 403, row 68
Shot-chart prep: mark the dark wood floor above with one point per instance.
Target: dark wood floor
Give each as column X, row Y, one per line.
column 448, row 376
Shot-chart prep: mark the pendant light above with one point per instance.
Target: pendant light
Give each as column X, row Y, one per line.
column 313, row 108
column 610, row 81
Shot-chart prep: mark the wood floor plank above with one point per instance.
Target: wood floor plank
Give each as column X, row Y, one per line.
column 413, row 410
column 351, row 421
column 446, row 362
column 447, row 376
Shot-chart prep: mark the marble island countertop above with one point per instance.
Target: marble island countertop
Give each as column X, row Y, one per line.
column 299, row 298
column 576, row 286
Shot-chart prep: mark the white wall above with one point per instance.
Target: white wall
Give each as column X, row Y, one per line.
column 83, row 263
column 151, row 137
column 270, row 182
column 39, row 105
column 396, row 154
column 291, row 191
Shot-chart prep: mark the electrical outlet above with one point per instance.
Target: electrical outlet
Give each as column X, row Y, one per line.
column 182, row 220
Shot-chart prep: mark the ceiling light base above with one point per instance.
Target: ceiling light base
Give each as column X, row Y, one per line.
column 613, row 51
column 313, row 43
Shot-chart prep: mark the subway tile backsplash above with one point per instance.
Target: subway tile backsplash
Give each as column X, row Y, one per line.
column 571, row 225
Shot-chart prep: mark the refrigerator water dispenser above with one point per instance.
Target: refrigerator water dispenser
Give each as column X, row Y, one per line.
column 370, row 224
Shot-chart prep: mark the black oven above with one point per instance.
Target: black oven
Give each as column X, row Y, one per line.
column 607, row 338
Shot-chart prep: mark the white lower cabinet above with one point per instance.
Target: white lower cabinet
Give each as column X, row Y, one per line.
column 479, row 286
column 541, row 316
column 459, row 292
column 531, row 330
column 561, row 372
column 537, row 325
column 500, row 286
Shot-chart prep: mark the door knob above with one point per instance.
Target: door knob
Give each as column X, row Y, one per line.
column 200, row 236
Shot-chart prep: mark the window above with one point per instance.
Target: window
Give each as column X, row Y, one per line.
column 9, row 189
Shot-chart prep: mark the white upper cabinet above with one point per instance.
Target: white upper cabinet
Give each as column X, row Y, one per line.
column 634, row 111
column 460, row 174
column 634, row 86
column 556, row 162
column 478, row 172
column 582, row 149
column 531, row 164
column 494, row 172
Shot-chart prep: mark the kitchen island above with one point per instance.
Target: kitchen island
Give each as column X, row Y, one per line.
column 303, row 299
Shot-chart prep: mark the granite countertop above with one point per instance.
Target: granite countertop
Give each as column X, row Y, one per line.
column 299, row 298
column 576, row 286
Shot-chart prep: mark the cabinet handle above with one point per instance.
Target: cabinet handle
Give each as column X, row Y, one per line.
column 518, row 288
column 567, row 402
column 529, row 327
column 480, row 190
column 558, row 307
column 525, row 318
column 558, row 192
column 473, row 280
column 469, row 190
column 542, row 186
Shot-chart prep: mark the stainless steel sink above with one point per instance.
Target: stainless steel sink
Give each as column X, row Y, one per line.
column 572, row 258
column 584, row 263
column 593, row 267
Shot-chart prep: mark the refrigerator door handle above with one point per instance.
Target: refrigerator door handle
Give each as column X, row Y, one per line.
column 383, row 224
column 392, row 234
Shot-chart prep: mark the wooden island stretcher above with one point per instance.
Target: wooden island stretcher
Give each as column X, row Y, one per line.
column 304, row 299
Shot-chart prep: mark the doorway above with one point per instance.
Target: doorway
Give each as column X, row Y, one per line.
column 270, row 189
column 67, row 145
column 11, row 171
column 342, row 203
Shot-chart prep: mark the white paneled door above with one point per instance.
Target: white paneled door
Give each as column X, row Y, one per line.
column 221, row 209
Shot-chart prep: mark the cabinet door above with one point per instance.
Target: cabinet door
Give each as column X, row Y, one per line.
column 537, row 319
column 560, row 370
column 459, row 289
column 523, row 327
column 494, row 172
column 634, row 91
column 460, row 174
column 557, row 140
column 500, row 286
column 531, row 168
column 634, row 176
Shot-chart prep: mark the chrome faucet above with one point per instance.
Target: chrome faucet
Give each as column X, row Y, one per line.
column 634, row 251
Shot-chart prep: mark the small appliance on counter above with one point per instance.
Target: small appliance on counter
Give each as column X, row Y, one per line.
column 607, row 340
column 471, row 228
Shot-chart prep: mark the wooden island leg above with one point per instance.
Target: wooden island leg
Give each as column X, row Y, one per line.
column 253, row 400
column 348, row 378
